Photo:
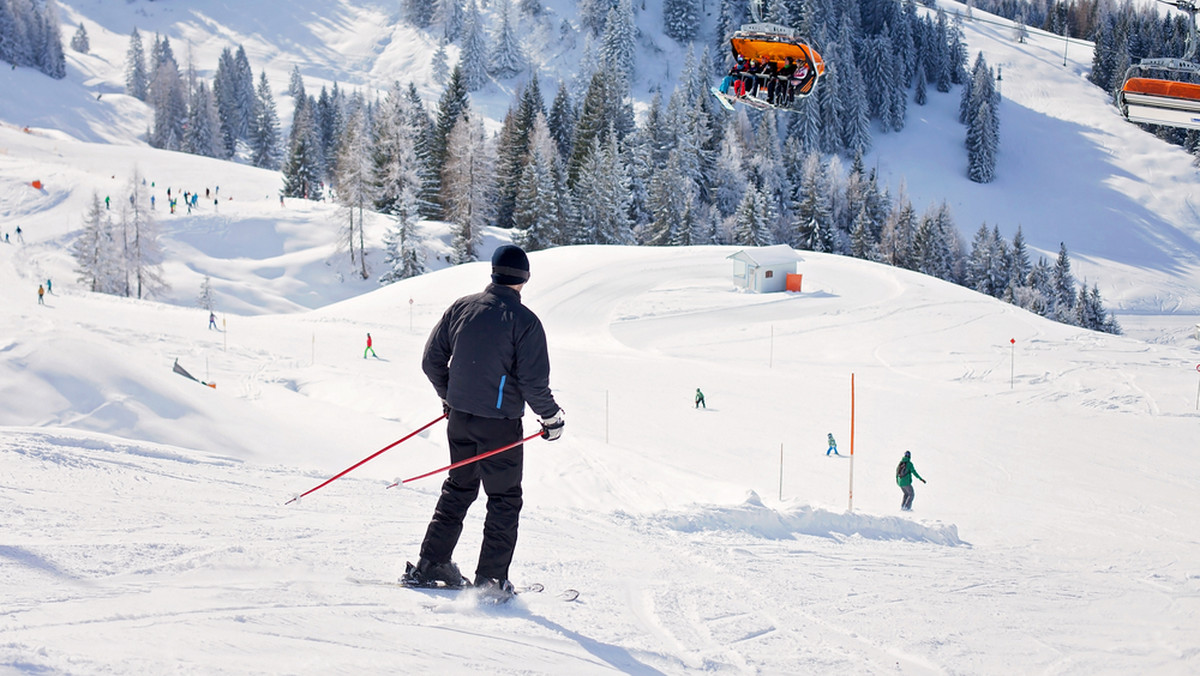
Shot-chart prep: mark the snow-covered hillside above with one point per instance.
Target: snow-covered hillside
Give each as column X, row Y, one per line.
column 145, row 525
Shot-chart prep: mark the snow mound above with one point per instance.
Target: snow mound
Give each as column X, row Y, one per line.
column 754, row 518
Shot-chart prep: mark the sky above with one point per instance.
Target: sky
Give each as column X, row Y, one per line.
column 146, row 524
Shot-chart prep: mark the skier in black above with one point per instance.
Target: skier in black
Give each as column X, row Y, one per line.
column 486, row 358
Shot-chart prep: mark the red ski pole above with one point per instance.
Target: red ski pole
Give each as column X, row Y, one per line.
column 364, row 460
column 468, row 461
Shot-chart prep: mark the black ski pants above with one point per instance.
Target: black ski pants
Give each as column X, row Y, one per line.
column 906, row 501
column 500, row 475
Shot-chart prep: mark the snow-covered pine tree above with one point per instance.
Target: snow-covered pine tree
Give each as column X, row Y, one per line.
column 264, row 127
column 168, row 98
column 329, row 115
column 537, row 206
column 355, row 184
column 448, row 14
column 206, row 300
column 296, row 84
column 729, row 180
column 440, row 64
column 617, row 46
column 1018, row 259
column 428, row 172
column 862, row 243
column 202, row 134
column 751, row 226
column 507, row 59
column 982, row 145
column 91, row 246
column 592, row 14
column 49, row 57
column 145, row 252
column 473, row 59
column 1062, row 288
column 243, row 82
column 594, row 121
column 512, row 150
column 401, row 138
column 417, row 12
column 137, row 81
column 468, row 186
column 8, row 33
column 603, row 196
column 562, row 121
column 899, row 230
column 921, row 96
column 224, row 92
column 672, row 203
column 681, row 20
column 812, row 222
column 856, row 134
column 403, row 251
column 940, row 54
column 451, row 106
column 879, row 76
column 79, row 41
column 302, row 169
column 829, row 111
column 980, row 262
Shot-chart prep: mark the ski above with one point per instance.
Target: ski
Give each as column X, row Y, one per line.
column 535, row 588
column 723, row 98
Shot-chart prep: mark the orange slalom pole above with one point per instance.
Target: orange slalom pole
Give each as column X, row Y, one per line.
column 366, row 459
column 851, row 442
column 468, row 461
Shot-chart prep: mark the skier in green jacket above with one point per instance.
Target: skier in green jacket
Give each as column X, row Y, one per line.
column 904, row 476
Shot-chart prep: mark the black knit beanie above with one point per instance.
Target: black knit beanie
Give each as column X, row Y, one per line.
column 510, row 266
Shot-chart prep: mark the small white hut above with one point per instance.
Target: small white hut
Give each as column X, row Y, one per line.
column 764, row 269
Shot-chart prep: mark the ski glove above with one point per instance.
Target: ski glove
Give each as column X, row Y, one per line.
column 552, row 426
column 445, row 408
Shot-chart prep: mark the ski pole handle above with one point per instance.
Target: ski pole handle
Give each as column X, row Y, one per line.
column 346, row 471
column 468, row 461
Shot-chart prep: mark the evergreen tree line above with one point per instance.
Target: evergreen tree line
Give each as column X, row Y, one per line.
column 1004, row 271
column 1076, row 19
column 30, row 36
column 122, row 255
column 232, row 118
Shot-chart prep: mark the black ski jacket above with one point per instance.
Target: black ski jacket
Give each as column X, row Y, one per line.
column 487, row 356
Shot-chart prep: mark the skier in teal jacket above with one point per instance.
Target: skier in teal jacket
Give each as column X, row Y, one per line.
column 904, row 476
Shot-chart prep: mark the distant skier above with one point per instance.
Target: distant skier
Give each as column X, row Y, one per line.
column 41, row 295
column 369, row 348
column 904, row 476
column 49, row 287
column 700, row 399
column 107, row 200
column 20, row 237
column 832, row 446
column 212, row 320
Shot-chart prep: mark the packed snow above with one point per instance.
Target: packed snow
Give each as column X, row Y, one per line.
column 146, row 529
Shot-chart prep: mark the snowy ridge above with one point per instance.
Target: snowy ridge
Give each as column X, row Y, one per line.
column 754, row 518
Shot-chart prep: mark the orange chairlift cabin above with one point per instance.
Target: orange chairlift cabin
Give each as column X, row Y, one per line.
column 1165, row 91
column 762, row 42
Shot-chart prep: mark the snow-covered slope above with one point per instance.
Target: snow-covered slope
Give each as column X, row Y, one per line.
column 148, row 531
column 145, row 529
